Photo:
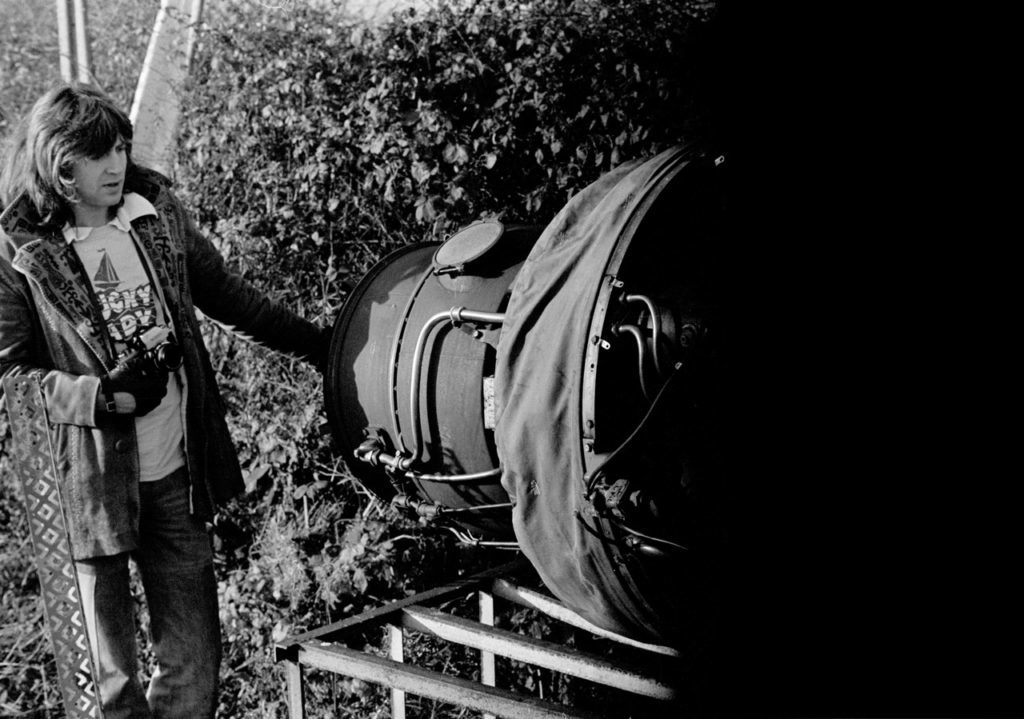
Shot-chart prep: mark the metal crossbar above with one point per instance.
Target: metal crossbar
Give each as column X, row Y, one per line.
column 326, row 648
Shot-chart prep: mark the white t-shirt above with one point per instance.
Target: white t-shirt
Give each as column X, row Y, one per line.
column 131, row 305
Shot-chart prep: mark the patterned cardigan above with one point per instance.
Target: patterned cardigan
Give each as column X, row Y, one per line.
column 50, row 330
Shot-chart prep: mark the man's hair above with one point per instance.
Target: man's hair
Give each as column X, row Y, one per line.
column 69, row 123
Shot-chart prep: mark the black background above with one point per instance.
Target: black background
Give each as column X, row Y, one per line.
column 873, row 515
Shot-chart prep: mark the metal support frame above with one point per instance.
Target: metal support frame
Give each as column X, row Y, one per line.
column 326, row 649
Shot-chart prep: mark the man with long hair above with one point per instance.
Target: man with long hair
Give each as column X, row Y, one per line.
column 101, row 271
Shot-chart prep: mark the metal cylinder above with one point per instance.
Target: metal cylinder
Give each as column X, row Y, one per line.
column 554, row 387
column 411, row 368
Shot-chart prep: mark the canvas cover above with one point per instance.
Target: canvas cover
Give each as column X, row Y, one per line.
column 538, row 388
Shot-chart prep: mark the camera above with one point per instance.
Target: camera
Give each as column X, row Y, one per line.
column 157, row 348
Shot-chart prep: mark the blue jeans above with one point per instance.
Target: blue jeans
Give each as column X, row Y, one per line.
column 175, row 562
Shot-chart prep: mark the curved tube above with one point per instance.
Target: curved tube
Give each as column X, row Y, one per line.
column 414, row 386
column 636, row 540
column 641, row 351
column 590, row 480
column 373, row 454
column 467, row 538
column 455, row 315
column 430, row 510
column 655, row 325
column 477, row 508
column 455, row 478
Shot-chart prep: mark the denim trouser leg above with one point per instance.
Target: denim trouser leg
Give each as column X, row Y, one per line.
column 176, row 564
column 110, row 621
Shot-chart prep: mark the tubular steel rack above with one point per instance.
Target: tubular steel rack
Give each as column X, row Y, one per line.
column 325, row 648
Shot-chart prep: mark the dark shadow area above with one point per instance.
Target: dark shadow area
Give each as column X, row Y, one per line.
column 872, row 536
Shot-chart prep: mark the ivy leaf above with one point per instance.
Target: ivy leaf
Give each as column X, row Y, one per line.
column 254, row 475
column 359, row 580
column 425, row 209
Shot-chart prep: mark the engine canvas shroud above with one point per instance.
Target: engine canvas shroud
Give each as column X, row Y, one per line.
column 594, row 339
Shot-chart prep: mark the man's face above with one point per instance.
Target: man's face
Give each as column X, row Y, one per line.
column 99, row 182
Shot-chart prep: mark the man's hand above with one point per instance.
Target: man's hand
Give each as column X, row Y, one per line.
column 146, row 383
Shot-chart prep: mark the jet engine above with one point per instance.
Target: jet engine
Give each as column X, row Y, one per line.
column 553, row 388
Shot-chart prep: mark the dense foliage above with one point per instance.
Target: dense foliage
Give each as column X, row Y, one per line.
column 318, row 136
column 311, row 145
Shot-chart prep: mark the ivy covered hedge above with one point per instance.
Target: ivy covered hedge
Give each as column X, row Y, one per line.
column 316, row 138
column 311, row 145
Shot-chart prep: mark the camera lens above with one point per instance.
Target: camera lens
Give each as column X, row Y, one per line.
column 168, row 356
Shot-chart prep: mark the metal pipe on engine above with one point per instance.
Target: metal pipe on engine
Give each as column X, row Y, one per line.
column 431, row 510
column 372, row 452
column 655, row 323
column 456, row 315
column 641, row 351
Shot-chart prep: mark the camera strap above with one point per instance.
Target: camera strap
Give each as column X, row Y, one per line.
column 33, row 461
column 163, row 313
column 101, row 325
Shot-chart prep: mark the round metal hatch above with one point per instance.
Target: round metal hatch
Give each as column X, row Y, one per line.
column 467, row 246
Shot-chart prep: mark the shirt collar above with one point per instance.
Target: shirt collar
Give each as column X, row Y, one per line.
column 133, row 207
